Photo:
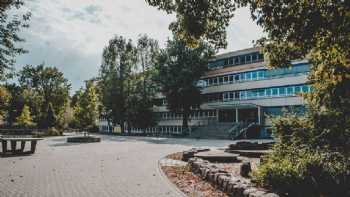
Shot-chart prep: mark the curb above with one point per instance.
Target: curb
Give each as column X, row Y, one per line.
column 171, row 184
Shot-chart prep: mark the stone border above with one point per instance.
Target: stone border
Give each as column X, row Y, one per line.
column 233, row 186
column 167, row 180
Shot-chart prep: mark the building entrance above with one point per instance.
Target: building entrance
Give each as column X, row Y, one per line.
column 248, row 115
column 227, row 115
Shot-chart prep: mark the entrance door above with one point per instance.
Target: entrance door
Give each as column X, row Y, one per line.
column 227, row 115
column 248, row 115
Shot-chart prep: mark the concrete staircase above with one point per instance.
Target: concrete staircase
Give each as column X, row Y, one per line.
column 212, row 131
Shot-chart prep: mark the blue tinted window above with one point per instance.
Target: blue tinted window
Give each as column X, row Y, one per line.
column 305, row 88
column 274, row 91
column 282, row 90
column 261, row 74
column 297, row 89
column 261, row 93
column 248, row 76
column 268, row 92
column 242, row 94
column 254, row 75
column 290, row 90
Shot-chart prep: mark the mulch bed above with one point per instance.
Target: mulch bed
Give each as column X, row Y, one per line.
column 189, row 183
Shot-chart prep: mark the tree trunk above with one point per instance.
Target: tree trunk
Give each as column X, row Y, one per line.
column 185, row 127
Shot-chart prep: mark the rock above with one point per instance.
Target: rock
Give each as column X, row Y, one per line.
column 245, row 169
column 257, row 194
column 248, row 191
column 270, row 195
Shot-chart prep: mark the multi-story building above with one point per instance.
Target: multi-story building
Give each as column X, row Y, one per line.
column 239, row 94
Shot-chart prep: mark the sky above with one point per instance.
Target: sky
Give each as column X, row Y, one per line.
column 71, row 34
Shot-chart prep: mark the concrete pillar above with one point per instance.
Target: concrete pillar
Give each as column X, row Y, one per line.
column 237, row 120
column 259, row 114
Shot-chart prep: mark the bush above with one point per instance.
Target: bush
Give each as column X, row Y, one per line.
column 301, row 172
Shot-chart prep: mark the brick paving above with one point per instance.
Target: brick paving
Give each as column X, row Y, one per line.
column 117, row 166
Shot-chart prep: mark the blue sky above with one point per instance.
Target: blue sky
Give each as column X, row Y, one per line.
column 71, row 34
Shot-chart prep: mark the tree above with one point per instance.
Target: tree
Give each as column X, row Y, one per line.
column 180, row 68
column 45, row 86
column 197, row 20
column 25, row 119
column 5, row 97
column 143, row 87
column 313, row 151
column 86, row 106
column 119, row 57
column 10, row 25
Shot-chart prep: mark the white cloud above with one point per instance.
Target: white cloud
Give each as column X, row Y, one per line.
column 71, row 34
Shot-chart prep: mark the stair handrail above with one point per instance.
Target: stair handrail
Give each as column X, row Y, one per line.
column 243, row 129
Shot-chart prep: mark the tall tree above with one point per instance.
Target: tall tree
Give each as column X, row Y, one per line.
column 86, row 106
column 50, row 87
column 10, row 25
column 119, row 57
column 143, row 86
column 180, row 68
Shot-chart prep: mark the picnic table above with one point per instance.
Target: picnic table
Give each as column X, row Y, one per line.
column 13, row 141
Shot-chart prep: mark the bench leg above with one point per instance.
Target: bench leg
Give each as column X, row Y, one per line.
column 23, row 144
column 13, row 146
column 32, row 147
column 4, row 147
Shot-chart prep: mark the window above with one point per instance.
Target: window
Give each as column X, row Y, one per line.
column 297, row 89
column 237, row 77
column 242, row 95
column 254, row 57
column 221, row 79
column 236, row 95
column 282, row 91
column 215, row 80
column 305, row 88
column 242, row 59
column 290, row 90
column 248, row 76
column 248, row 58
column 225, row 79
column 261, row 93
column 268, row 92
column 231, row 78
column 237, row 60
column 254, row 75
column 261, row 74
column 226, row 96
column 210, row 81
column 231, row 61
column 274, row 91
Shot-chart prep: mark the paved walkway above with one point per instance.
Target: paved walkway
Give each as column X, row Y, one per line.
column 118, row 166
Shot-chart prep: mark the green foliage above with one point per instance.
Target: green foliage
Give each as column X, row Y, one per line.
column 86, row 107
column 305, row 172
column 25, row 120
column 119, row 57
column 5, row 97
column 10, row 25
column 44, row 86
column 179, row 69
column 197, row 20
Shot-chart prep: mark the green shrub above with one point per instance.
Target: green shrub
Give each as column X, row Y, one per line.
column 301, row 172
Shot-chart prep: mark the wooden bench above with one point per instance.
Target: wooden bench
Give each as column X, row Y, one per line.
column 13, row 141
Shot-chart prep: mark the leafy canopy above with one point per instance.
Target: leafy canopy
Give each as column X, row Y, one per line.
column 179, row 69
column 10, row 25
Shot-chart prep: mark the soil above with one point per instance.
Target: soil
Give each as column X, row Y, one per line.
column 191, row 184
